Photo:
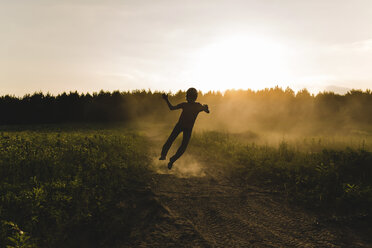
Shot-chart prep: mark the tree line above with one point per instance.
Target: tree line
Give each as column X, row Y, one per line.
column 271, row 108
column 40, row 108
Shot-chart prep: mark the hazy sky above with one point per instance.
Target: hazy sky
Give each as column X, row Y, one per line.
column 166, row 45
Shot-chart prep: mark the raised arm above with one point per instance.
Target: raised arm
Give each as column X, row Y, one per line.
column 171, row 107
column 205, row 108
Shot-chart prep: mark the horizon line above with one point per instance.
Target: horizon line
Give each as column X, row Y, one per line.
column 367, row 90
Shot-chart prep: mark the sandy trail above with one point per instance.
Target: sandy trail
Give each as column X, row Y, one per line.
column 203, row 209
column 226, row 216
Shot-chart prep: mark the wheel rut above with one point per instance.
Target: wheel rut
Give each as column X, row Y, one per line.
column 228, row 216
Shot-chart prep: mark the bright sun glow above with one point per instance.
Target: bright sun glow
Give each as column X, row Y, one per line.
column 240, row 62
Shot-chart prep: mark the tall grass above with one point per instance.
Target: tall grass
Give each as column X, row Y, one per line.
column 69, row 188
column 331, row 177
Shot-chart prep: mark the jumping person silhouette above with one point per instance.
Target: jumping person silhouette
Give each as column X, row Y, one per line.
column 190, row 111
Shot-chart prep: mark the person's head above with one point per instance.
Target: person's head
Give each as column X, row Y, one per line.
column 191, row 95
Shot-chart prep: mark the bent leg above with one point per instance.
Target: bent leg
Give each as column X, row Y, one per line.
column 176, row 131
column 182, row 148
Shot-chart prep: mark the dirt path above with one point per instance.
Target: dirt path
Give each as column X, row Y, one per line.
column 200, row 208
column 223, row 215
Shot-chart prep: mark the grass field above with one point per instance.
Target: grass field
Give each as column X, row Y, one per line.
column 69, row 186
column 332, row 174
column 78, row 186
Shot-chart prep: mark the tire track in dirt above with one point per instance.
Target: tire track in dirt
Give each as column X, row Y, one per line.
column 216, row 213
column 227, row 216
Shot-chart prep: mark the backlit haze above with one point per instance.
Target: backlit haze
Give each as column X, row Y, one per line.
column 55, row 46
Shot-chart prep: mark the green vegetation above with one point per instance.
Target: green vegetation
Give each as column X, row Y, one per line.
column 334, row 180
column 77, row 183
column 73, row 187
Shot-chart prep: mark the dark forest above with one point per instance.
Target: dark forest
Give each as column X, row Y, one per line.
column 269, row 109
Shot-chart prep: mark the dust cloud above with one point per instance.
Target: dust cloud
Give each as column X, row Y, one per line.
column 271, row 115
column 265, row 117
column 187, row 166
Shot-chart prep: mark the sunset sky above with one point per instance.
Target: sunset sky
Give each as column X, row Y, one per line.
column 57, row 46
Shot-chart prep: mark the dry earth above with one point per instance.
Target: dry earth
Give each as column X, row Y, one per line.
column 194, row 205
column 205, row 211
